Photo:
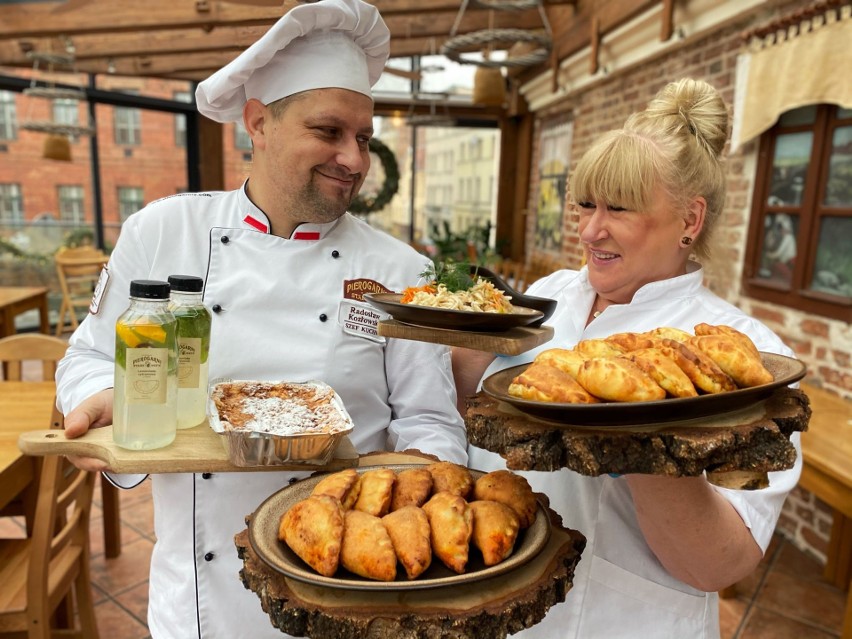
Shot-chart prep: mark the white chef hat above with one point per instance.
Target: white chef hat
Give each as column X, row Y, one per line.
column 331, row 43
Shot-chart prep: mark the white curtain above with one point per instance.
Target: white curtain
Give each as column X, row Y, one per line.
column 809, row 63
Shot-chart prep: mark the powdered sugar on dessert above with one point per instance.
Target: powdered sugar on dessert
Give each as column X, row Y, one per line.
column 279, row 409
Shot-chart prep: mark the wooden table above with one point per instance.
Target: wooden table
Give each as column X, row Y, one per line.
column 27, row 406
column 23, row 406
column 826, row 453
column 15, row 300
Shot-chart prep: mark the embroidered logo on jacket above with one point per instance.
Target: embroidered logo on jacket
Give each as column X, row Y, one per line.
column 355, row 289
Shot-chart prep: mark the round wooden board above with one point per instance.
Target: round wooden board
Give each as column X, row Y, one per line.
column 493, row 609
column 755, row 440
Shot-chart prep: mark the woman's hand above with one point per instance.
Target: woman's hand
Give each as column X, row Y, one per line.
column 93, row 412
column 468, row 368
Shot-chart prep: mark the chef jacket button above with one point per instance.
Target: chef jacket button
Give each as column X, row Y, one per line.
column 225, row 239
column 209, row 556
column 323, row 317
column 206, row 475
column 216, row 308
column 292, row 480
column 335, row 253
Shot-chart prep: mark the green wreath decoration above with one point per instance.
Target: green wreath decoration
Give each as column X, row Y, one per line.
column 371, row 202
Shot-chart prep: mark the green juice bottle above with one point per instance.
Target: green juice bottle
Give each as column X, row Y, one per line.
column 193, row 339
column 145, row 395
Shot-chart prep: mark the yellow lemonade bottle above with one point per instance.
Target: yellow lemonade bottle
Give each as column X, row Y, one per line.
column 193, row 341
column 145, row 398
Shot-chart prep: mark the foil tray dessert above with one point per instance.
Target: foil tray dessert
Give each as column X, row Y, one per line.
column 277, row 423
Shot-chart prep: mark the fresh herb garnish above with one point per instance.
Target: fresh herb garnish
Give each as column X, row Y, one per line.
column 454, row 275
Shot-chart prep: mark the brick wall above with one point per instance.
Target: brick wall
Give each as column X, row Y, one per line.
column 824, row 345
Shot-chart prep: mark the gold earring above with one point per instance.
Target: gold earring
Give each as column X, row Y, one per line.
column 686, row 240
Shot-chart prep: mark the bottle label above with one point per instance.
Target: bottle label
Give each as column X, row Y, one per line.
column 189, row 362
column 147, row 373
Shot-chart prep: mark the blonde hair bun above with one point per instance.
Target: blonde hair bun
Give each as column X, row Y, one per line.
column 690, row 107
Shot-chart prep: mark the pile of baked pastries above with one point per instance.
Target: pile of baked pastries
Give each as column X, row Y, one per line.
column 369, row 523
column 642, row 367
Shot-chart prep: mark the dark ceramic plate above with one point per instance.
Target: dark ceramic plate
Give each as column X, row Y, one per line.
column 263, row 536
column 450, row 318
column 785, row 370
column 543, row 304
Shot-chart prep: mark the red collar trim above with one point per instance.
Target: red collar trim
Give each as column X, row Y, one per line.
column 252, row 221
column 306, row 235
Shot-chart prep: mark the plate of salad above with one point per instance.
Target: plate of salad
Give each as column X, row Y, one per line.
column 456, row 296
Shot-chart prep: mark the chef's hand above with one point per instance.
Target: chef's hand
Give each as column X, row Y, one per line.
column 93, row 412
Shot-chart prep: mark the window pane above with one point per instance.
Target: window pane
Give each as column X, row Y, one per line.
column 129, row 201
column 65, row 111
column 8, row 124
column 71, row 204
column 833, row 271
column 790, row 168
column 779, row 248
column 838, row 190
column 242, row 140
column 799, row 117
column 180, row 119
column 842, row 114
column 11, row 204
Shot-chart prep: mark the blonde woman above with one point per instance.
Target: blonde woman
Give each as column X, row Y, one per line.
column 649, row 196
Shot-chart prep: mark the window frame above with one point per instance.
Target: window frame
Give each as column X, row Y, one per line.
column 811, row 211
column 127, row 123
column 11, row 195
column 71, row 200
column 9, row 119
column 124, row 202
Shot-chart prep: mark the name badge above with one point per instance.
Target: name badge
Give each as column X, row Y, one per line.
column 361, row 320
column 100, row 290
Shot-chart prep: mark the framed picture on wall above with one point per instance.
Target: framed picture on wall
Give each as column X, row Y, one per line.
column 552, row 176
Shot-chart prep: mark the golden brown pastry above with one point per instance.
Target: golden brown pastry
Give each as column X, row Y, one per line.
column 412, row 488
column 618, row 379
column 704, row 373
column 451, row 478
column 313, row 529
column 544, row 383
column 744, row 367
column 342, row 485
column 568, row 361
column 495, row 529
column 366, row 549
column 410, row 535
column 598, row 348
column 633, row 341
column 664, row 371
column 668, row 332
column 509, row 489
column 721, row 329
column 451, row 525
column 376, row 489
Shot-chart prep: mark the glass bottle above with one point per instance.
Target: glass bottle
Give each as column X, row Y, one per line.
column 145, row 397
column 193, row 340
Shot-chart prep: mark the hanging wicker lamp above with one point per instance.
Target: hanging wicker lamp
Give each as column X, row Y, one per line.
column 57, row 147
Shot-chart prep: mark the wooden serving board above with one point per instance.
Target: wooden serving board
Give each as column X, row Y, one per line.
column 489, row 609
column 194, row 450
column 513, row 341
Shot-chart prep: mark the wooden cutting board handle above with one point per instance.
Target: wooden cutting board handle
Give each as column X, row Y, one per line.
column 194, row 450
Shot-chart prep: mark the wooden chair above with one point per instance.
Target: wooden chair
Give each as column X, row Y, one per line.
column 22, row 347
column 39, row 573
column 78, row 270
column 16, row 349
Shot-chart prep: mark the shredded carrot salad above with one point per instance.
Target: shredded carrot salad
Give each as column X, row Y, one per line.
column 482, row 297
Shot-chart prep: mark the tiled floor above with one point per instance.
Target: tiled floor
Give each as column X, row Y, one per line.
column 785, row 599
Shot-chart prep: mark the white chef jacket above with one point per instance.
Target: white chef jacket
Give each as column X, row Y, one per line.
column 620, row 588
column 284, row 309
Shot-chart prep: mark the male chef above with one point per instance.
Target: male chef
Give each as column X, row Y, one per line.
column 285, row 268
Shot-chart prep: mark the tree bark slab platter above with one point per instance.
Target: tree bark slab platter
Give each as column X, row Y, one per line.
column 491, row 608
column 753, row 440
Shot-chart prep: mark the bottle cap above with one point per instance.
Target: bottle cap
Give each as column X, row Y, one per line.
column 186, row 283
column 149, row 289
